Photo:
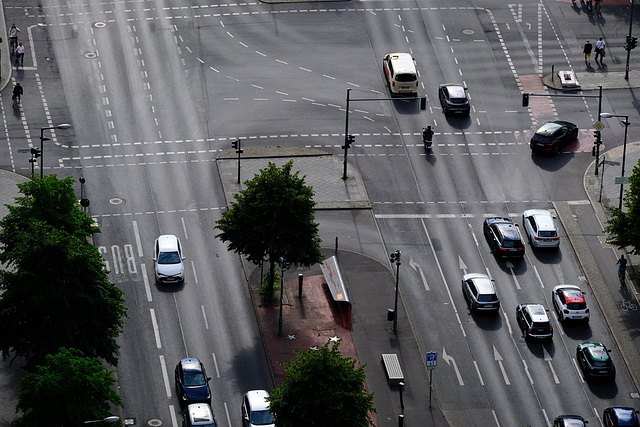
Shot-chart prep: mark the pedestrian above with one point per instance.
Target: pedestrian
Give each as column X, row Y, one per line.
column 13, row 37
column 20, row 53
column 600, row 45
column 598, row 6
column 427, row 136
column 588, row 47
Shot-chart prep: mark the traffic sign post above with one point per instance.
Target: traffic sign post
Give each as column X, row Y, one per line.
column 432, row 361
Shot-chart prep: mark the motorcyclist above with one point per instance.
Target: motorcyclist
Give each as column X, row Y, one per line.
column 427, row 136
column 17, row 92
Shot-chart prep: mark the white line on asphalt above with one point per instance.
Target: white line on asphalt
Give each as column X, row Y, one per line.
column 184, row 228
column 526, row 371
column 226, row 410
column 204, row 317
column 145, row 280
column 195, row 275
column 215, row 363
column 495, row 417
column 174, row 419
column 156, row 331
column 137, row 236
column 535, row 270
column 165, row 376
column 478, row 372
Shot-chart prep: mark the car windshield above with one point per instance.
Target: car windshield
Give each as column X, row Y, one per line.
column 406, row 77
column 194, row 379
column 169, row 258
column 487, row 297
column 548, row 234
column 262, row 418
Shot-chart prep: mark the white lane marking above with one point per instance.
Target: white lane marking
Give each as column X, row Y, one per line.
column 156, row 331
column 498, row 358
column 145, row 280
column 195, row 275
column 450, row 360
column 204, row 317
column 226, row 410
column 215, row 363
column 184, row 229
column 137, row 236
column 478, row 372
column 549, row 359
column 165, row 376
column 174, row 419
column 418, row 267
column 526, row 371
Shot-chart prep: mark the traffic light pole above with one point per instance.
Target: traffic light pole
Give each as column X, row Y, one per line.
column 630, row 46
column 237, row 145
column 348, row 139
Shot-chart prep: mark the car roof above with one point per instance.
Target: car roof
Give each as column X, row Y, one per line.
column 455, row 90
column 597, row 350
column 200, row 413
column 257, row 399
column 506, row 227
column 537, row 312
column 570, row 420
column 402, row 62
column 626, row 415
column 191, row 364
column 571, row 293
column 543, row 218
column 483, row 283
column 549, row 128
column 168, row 242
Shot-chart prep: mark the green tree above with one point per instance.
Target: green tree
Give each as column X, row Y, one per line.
column 623, row 228
column 322, row 388
column 55, row 290
column 66, row 391
column 273, row 217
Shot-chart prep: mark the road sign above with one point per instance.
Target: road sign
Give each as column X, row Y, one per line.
column 622, row 180
column 432, row 359
column 598, row 125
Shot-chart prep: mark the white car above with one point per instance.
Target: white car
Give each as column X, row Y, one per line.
column 167, row 257
column 569, row 303
column 540, row 227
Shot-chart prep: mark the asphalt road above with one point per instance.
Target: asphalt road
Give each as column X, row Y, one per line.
column 156, row 91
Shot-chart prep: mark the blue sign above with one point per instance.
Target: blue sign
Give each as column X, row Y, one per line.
column 432, row 359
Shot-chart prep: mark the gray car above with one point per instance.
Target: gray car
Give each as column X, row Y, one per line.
column 480, row 293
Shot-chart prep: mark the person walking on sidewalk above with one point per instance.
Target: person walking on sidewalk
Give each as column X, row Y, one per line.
column 588, row 47
column 20, row 54
column 13, row 37
column 600, row 45
column 599, row 6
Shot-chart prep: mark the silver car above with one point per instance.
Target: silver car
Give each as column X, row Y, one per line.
column 168, row 257
column 541, row 229
column 480, row 293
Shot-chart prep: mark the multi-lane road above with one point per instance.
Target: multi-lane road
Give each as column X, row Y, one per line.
column 156, row 90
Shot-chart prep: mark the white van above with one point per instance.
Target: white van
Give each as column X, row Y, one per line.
column 401, row 73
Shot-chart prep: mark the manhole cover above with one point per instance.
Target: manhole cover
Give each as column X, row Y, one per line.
column 100, row 24
column 468, row 32
column 90, row 55
column 155, row 423
column 115, row 201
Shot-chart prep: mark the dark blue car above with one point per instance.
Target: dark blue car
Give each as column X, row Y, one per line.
column 617, row 416
column 192, row 383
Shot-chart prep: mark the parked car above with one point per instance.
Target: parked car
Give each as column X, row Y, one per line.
column 255, row 409
column 504, row 237
column 453, row 99
column 620, row 416
column 569, row 421
column 534, row 322
column 192, row 383
column 570, row 303
column 552, row 137
column 540, row 228
column 480, row 293
column 198, row 415
column 595, row 362
column 168, row 257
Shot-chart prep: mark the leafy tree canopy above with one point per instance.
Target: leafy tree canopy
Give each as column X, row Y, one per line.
column 273, row 217
column 56, row 291
column 623, row 227
column 66, row 391
column 322, row 388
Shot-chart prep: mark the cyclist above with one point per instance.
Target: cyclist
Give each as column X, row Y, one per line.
column 427, row 136
column 622, row 269
column 13, row 37
column 17, row 93
column 20, row 54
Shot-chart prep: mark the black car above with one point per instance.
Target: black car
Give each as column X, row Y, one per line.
column 192, row 383
column 503, row 237
column 619, row 416
column 552, row 137
column 569, row 421
column 453, row 99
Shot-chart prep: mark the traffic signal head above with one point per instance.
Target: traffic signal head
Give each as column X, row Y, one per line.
column 525, row 99
column 350, row 140
column 35, row 152
column 234, row 144
column 633, row 43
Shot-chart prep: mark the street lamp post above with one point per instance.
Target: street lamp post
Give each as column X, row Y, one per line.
column 624, row 149
column 109, row 420
column 395, row 257
column 284, row 266
column 43, row 139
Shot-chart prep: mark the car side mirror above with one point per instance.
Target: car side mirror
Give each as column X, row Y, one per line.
column 208, row 378
column 184, row 257
column 154, row 258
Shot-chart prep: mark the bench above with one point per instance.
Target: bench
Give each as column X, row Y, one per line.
column 392, row 369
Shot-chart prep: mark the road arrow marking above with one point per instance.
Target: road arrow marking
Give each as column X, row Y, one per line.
column 498, row 359
column 548, row 359
column 462, row 265
column 417, row 267
column 449, row 361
